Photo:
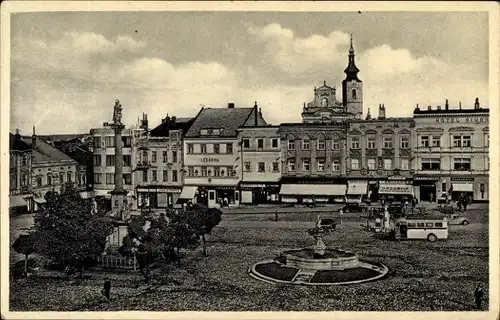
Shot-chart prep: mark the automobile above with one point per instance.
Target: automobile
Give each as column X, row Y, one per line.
column 457, row 219
column 355, row 207
column 328, row 224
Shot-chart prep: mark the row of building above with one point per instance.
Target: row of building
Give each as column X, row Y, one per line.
column 232, row 156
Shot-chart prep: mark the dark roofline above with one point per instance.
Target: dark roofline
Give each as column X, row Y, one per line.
column 264, row 126
column 319, row 124
column 381, row 120
column 450, row 111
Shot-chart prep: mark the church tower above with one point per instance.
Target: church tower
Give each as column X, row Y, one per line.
column 352, row 88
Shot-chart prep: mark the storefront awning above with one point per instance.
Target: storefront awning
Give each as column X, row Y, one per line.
column 17, row 201
column 102, row 193
column 462, row 187
column 188, row 192
column 313, row 189
column 357, row 188
column 86, row 194
column 395, row 189
column 40, row 200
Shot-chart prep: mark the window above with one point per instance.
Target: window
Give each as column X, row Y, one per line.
column 262, row 167
column 486, row 140
column 336, row 145
column 174, row 176
column 70, row 176
column 436, row 141
column 321, row 144
column 424, row 141
column 61, row 177
column 230, row 171
column 174, row 156
column 438, row 224
column 405, row 164
column 305, row 145
column 110, row 160
column 387, row 142
column 336, row 165
column 190, row 171
column 443, row 186
column 321, row 164
column 354, row 94
column 276, row 167
column 110, row 178
column 466, row 141
column 291, row 164
column 127, row 178
column 204, row 171
column 488, row 163
column 109, row 142
column 274, row 143
column 96, row 142
column 144, row 175
column 127, row 159
column 354, row 164
column 217, row 171
column 25, row 160
column 154, row 175
column 355, row 143
column 405, row 142
column 431, row 164
column 127, row 141
column 246, row 143
column 260, row 143
column 190, row 149
column 291, row 144
column 97, row 160
column 482, row 189
column 372, row 164
column 248, row 167
column 461, row 164
column 39, row 181
column 97, row 178
column 429, row 224
column 153, row 156
column 229, row 148
column 371, row 143
column 203, row 148
column 165, row 156
column 457, row 141
column 306, row 164
column 216, row 148
column 387, row 164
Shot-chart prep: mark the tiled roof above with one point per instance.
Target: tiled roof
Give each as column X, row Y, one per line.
column 18, row 144
column 228, row 119
column 44, row 152
column 163, row 129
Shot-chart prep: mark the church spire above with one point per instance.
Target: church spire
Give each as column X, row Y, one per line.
column 351, row 71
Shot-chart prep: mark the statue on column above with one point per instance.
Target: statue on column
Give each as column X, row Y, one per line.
column 117, row 113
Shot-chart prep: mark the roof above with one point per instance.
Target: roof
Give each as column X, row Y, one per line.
column 44, row 152
column 80, row 154
column 17, row 144
column 227, row 119
column 165, row 127
column 61, row 137
column 450, row 111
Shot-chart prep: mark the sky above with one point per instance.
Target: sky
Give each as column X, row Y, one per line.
column 67, row 68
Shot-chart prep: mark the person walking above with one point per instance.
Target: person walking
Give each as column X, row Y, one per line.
column 478, row 295
column 106, row 292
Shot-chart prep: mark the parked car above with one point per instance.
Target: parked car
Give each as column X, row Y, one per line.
column 457, row 219
column 328, row 224
column 355, row 207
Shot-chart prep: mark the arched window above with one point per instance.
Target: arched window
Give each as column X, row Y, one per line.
column 354, row 93
column 70, row 176
column 324, row 102
column 49, row 179
column 61, row 178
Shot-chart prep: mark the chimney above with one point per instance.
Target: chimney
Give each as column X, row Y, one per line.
column 33, row 139
column 446, row 105
column 381, row 111
column 174, row 118
column 439, row 107
column 476, row 104
column 429, row 108
column 368, row 115
column 230, row 105
column 417, row 107
column 460, row 105
column 256, row 115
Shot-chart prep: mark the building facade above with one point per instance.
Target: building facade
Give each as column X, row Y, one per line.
column 20, row 175
column 380, row 157
column 211, row 155
column 260, row 164
column 452, row 156
column 159, row 163
column 313, row 162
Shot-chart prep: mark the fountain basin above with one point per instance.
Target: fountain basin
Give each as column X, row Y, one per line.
column 333, row 259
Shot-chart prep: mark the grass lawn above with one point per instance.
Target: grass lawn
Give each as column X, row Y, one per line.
column 423, row 276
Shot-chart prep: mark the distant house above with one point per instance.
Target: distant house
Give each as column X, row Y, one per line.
column 20, row 186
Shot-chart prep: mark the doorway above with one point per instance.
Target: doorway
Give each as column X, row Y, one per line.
column 428, row 193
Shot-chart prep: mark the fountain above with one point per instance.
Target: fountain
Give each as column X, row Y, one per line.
column 317, row 265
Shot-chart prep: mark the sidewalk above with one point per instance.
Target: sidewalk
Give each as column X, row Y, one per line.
column 280, row 209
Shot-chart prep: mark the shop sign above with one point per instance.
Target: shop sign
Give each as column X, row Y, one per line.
column 395, row 189
column 209, row 160
column 448, row 120
column 462, row 179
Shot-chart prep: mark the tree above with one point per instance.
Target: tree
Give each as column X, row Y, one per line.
column 67, row 230
column 202, row 220
column 24, row 245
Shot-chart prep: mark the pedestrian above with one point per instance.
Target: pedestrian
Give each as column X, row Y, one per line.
column 341, row 214
column 226, row 202
column 107, row 289
column 478, row 295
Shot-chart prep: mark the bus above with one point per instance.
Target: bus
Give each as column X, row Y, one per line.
column 421, row 228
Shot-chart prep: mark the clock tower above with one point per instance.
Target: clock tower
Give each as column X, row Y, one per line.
column 352, row 88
